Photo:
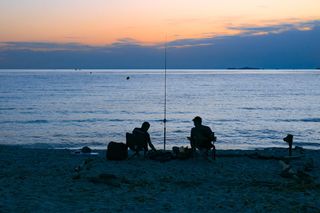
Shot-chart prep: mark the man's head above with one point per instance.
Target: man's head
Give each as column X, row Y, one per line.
column 145, row 126
column 197, row 121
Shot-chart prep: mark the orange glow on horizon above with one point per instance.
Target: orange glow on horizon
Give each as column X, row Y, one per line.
column 99, row 22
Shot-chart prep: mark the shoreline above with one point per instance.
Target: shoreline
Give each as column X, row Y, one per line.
column 38, row 180
column 160, row 147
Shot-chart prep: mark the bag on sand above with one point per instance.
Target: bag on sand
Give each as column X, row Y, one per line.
column 117, row 151
column 182, row 153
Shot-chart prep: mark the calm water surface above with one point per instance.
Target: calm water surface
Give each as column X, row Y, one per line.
column 246, row 109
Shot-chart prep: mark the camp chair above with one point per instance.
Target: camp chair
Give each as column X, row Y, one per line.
column 136, row 144
column 213, row 152
column 211, row 148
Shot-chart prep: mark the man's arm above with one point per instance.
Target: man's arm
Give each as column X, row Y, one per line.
column 191, row 139
column 211, row 134
column 150, row 144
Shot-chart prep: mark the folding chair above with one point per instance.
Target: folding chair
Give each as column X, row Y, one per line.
column 208, row 148
column 136, row 144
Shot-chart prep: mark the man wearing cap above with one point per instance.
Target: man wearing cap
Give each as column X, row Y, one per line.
column 201, row 136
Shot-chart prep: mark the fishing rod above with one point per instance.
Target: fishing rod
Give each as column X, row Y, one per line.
column 165, row 96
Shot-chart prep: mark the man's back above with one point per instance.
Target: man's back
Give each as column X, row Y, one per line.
column 141, row 135
column 202, row 136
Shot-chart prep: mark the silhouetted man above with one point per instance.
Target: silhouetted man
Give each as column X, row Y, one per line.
column 143, row 136
column 201, row 136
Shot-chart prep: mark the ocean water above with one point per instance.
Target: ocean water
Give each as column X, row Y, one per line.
column 246, row 109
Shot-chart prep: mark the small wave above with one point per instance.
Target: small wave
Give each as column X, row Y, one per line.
column 267, row 131
column 276, row 108
column 181, row 112
column 311, row 120
column 39, row 146
column 115, row 120
column 306, row 144
column 227, row 120
column 58, row 135
column 126, row 112
column 64, row 112
column 90, row 120
column 315, row 120
column 95, row 143
column 36, row 122
column 160, row 120
column 251, row 108
column 28, row 113
column 7, row 108
column 178, row 131
column 177, row 121
column 261, row 108
column 25, row 122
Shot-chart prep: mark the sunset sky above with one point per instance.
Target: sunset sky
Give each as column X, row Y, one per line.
column 99, row 22
column 123, row 33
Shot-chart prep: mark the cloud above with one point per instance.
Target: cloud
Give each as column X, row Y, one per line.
column 126, row 41
column 53, row 47
column 189, row 45
column 279, row 28
column 211, row 39
column 43, row 46
column 125, row 53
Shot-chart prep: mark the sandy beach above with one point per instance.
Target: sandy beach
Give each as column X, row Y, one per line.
column 42, row 180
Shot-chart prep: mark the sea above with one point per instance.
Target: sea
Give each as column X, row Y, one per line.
column 247, row 109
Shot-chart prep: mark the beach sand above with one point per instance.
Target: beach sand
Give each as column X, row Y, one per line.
column 42, row 180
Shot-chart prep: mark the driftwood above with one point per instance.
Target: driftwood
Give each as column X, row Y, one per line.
column 296, row 153
column 86, row 165
column 273, row 157
column 265, row 154
column 261, row 156
column 297, row 172
column 104, row 178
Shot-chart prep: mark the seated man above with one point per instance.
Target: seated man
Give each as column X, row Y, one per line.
column 140, row 139
column 201, row 136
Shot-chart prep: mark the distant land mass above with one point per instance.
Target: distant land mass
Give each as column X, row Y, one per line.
column 244, row 68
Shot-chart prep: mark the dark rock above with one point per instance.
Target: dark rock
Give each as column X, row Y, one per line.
column 86, row 149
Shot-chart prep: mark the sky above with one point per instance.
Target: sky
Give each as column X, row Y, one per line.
column 44, row 30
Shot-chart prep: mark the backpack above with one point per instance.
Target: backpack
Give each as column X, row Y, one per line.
column 117, row 151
